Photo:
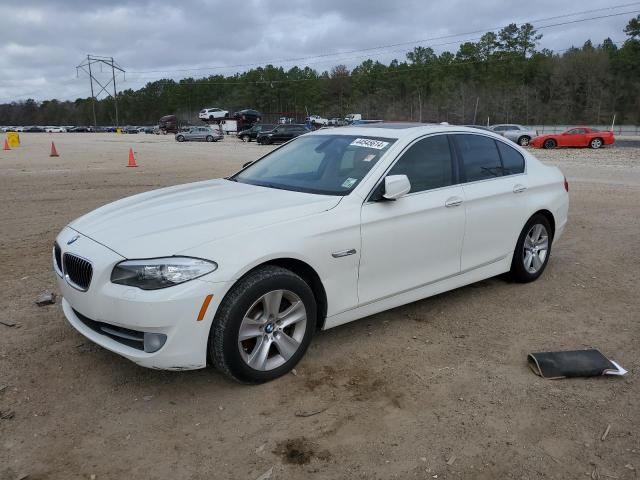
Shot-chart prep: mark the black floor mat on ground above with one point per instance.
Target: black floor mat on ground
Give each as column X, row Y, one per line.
column 577, row 363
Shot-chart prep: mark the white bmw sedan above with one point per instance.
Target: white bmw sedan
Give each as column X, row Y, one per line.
column 333, row 226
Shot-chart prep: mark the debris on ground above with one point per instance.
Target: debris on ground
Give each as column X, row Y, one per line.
column 7, row 415
column 47, row 298
column 606, row 432
column 294, row 372
column 311, row 413
column 8, row 323
column 575, row 363
column 266, row 475
column 3, row 388
column 452, row 459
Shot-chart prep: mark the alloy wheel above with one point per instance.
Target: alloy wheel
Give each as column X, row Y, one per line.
column 272, row 330
column 536, row 248
column 596, row 143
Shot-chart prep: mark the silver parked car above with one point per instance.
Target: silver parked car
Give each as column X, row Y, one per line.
column 516, row 133
column 200, row 134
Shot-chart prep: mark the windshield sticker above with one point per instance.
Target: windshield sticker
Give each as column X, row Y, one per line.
column 369, row 143
column 349, row 182
column 369, row 157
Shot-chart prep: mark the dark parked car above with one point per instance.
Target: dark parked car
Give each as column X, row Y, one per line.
column 130, row 129
column 282, row 133
column 80, row 129
column 34, row 129
column 248, row 115
column 168, row 124
column 252, row 133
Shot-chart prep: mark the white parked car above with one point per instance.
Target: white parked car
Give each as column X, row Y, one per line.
column 55, row 129
column 333, row 226
column 318, row 120
column 213, row 114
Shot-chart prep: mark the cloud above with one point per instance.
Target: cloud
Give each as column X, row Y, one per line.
column 42, row 41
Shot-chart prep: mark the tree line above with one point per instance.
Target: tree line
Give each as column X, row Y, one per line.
column 502, row 76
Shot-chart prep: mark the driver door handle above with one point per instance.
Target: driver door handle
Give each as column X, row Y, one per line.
column 453, row 202
column 518, row 188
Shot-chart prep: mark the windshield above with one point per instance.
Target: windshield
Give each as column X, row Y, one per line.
column 324, row 164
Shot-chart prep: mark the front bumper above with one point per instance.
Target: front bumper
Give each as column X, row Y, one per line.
column 173, row 311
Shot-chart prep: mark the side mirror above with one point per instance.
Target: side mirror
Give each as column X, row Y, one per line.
column 396, row 186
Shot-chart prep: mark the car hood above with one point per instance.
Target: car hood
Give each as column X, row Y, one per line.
column 167, row 221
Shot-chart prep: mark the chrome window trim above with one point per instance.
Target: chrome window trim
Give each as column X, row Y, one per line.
column 462, row 184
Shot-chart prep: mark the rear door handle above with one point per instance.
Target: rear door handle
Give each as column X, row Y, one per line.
column 518, row 188
column 453, row 202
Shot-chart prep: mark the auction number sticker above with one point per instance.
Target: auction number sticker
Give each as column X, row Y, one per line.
column 369, row 143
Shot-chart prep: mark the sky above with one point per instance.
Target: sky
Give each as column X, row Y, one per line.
column 42, row 41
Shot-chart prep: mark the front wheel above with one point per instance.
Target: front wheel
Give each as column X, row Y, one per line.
column 532, row 251
column 246, row 138
column 524, row 141
column 180, row 138
column 264, row 325
column 595, row 143
column 209, row 138
column 550, row 143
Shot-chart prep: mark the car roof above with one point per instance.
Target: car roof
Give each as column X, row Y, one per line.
column 399, row 130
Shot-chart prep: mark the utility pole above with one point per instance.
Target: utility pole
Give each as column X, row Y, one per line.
column 109, row 62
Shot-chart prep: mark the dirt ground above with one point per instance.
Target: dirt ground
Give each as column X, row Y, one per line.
column 435, row 389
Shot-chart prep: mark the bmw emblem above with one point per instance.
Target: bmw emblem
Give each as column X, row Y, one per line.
column 73, row 239
column 269, row 328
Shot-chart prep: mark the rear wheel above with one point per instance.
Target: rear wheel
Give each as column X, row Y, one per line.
column 524, row 141
column 209, row 138
column 264, row 325
column 532, row 251
column 246, row 138
column 595, row 143
column 549, row 143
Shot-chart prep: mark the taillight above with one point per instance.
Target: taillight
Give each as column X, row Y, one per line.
column 566, row 185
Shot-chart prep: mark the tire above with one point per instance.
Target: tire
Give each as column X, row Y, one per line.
column 246, row 138
column 534, row 242
column 596, row 143
column 524, row 141
column 266, row 141
column 209, row 138
column 180, row 138
column 243, row 308
column 549, row 143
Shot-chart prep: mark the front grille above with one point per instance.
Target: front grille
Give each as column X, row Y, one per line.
column 126, row 336
column 78, row 270
column 57, row 255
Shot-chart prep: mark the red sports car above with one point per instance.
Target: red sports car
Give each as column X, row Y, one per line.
column 575, row 137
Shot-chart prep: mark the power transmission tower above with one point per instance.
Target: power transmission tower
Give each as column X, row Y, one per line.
column 86, row 65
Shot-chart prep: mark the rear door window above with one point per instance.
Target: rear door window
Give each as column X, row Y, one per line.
column 512, row 160
column 480, row 157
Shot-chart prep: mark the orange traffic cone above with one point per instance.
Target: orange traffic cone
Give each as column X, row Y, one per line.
column 132, row 159
column 6, row 145
column 54, row 152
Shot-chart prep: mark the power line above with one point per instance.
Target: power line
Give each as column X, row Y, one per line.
column 324, row 55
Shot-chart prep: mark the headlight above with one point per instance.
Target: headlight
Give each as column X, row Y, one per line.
column 156, row 273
